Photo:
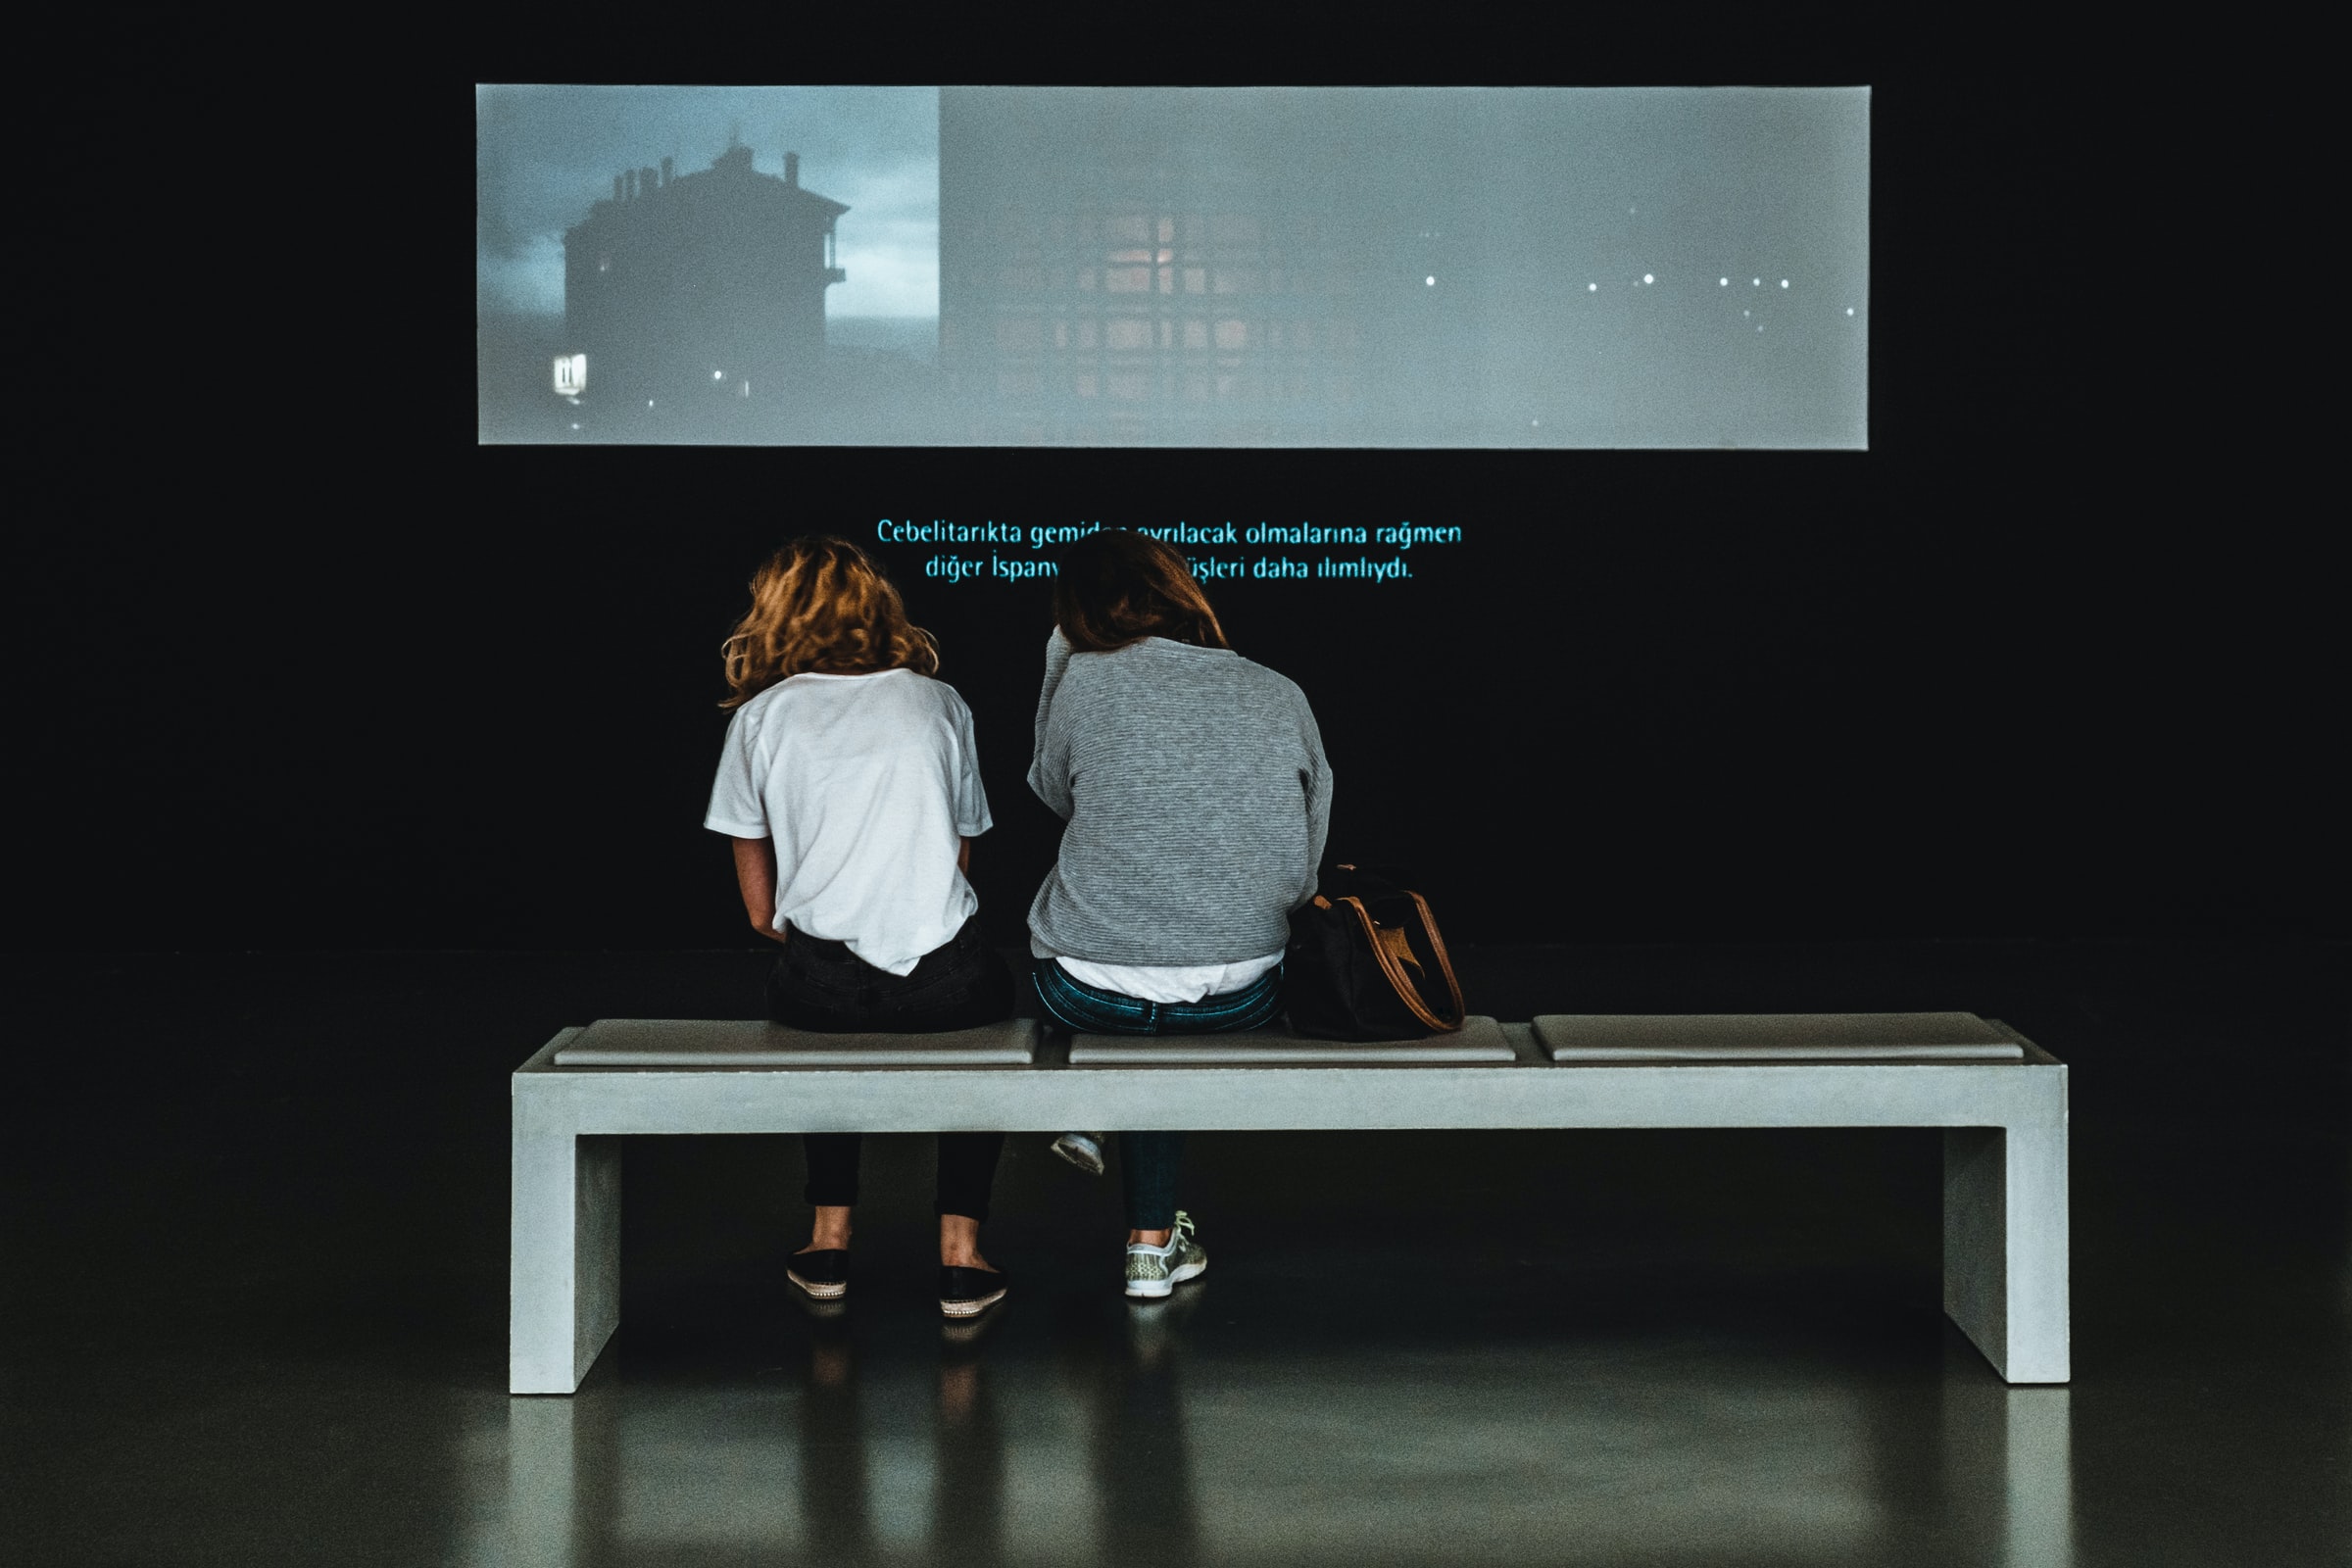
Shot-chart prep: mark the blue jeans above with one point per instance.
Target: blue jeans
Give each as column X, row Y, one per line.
column 1148, row 1161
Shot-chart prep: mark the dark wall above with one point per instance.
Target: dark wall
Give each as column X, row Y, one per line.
column 1649, row 697
column 317, row 671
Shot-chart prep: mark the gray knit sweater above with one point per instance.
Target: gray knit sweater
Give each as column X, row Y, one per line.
column 1196, row 796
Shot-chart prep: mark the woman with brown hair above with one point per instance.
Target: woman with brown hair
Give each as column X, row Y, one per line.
column 852, row 789
column 1197, row 796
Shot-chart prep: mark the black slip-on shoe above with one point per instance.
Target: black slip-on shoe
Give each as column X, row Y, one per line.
column 969, row 1291
column 823, row 1274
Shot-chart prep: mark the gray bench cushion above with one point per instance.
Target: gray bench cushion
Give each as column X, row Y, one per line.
column 1773, row 1037
column 1480, row 1039
column 755, row 1043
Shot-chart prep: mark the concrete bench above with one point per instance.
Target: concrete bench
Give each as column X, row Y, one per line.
column 1999, row 1099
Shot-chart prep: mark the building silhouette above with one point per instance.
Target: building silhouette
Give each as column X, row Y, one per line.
column 702, row 286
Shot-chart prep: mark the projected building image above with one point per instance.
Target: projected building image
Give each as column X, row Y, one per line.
column 715, row 281
column 1135, row 283
column 1434, row 267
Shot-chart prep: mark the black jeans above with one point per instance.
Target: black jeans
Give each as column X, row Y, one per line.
column 960, row 984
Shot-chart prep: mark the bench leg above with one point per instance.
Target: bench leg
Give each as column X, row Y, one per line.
column 564, row 1260
column 2005, row 1245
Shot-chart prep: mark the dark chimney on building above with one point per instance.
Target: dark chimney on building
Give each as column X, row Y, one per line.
column 631, row 177
column 644, row 180
column 792, row 168
column 665, row 174
column 619, row 188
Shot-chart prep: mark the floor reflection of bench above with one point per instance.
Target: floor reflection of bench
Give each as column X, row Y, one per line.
column 2001, row 1099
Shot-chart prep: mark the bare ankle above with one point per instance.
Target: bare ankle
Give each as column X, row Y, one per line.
column 959, row 1242
column 829, row 1231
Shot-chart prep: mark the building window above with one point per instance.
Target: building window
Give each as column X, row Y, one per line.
column 1020, row 334
column 1131, row 385
column 1195, row 334
column 1127, row 332
column 1126, row 279
column 1195, row 279
column 1233, row 335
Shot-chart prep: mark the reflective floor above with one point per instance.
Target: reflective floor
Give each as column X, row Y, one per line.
column 254, row 1297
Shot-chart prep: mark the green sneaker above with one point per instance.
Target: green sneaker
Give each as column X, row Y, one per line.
column 1155, row 1271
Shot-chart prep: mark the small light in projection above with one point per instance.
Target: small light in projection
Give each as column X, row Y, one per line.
column 1784, row 282
column 1431, row 283
column 718, row 375
column 1722, row 283
column 1756, row 281
column 746, row 389
column 1850, row 310
column 571, row 374
column 649, row 403
column 1646, row 278
column 1592, row 289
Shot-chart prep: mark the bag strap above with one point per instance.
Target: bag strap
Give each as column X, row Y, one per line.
column 1407, row 992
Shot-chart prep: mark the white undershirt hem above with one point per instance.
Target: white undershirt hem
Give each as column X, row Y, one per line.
column 1188, row 982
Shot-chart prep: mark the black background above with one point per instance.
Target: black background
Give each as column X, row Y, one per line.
column 301, row 666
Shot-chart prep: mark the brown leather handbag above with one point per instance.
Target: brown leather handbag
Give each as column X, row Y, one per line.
column 1366, row 963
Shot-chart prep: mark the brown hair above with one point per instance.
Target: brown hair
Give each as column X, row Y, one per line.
column 1117, row 587
column 821, row 604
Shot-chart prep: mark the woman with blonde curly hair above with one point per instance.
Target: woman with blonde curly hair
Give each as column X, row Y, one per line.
column 851, row 787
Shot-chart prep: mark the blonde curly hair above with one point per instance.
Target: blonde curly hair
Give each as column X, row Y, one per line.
column 821, row 604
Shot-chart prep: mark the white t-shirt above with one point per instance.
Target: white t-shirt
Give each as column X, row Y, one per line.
column 865, row 782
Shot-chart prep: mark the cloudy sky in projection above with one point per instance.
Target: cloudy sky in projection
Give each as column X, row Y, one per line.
column 543, row 155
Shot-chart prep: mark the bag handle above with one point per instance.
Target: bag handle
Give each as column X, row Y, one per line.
column 1407, row 992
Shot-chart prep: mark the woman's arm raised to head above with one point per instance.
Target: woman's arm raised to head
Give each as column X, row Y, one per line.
column 1049, row 762
column 755, row 875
